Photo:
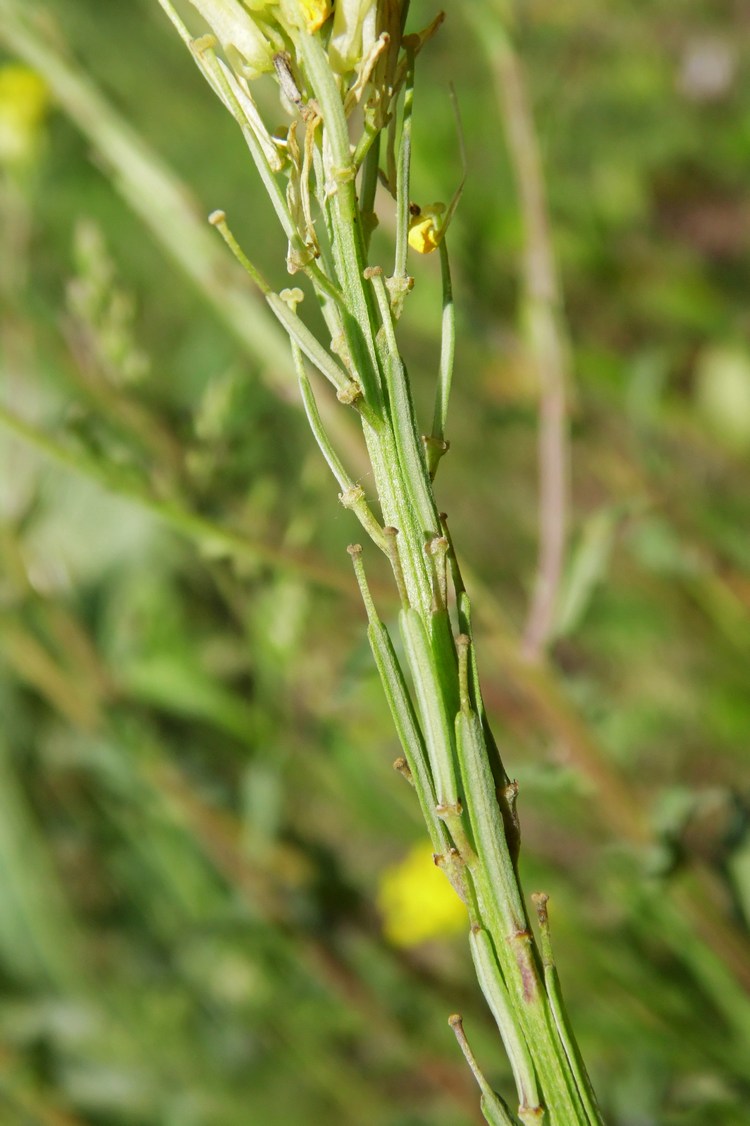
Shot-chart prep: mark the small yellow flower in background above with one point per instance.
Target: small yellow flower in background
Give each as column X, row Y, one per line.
column 425, row 232
column 417, row 902
column 24, row 104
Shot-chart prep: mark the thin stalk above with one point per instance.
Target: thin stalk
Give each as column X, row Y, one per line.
column 402, row 711
column 347, row 227
column 402, row 415
column 359, row 326
column 281, row 309
column 494, row 1109
column 359, row 316
column 435, row 721
column 352, row 495
column 403, row 170
column 495, row 991
column 215, row 71
column 502, row 906
column 554, row 992
column 544, row 330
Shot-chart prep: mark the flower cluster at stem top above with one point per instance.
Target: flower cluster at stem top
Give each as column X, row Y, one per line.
column 253, row 31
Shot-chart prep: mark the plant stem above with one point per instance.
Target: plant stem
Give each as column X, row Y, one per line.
column 463, row 789
column 541, row 309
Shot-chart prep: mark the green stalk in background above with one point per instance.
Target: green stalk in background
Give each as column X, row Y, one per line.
column 336, row 67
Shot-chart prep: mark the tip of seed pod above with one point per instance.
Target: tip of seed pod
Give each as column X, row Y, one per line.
column 373, row 272
column 455, row 1020
column 354, row 549
column 217, row 217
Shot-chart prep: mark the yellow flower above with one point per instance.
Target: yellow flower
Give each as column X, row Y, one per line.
column 310, row 14
column 316, row 12
column 425, row 232
column 417, row 902
column 24, row 103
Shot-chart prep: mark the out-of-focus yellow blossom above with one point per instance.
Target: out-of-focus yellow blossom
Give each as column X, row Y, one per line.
column 417, row 902
column 238, row 34
column 722, row 394
column 24, row 103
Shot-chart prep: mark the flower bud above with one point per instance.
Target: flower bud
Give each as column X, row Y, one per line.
column 354, row 32
column 238, row 33
column 315, row 12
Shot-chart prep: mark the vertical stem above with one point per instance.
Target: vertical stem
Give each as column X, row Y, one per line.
column 451, row 755
column 545, row 336
column 403, row 170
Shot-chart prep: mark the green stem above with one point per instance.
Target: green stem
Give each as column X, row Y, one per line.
column 352, row 495
column 413, row 469
column 452, row 758
column 347, row 225
column 403, row 170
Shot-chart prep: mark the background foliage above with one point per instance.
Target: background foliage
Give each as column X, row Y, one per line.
column 197, row 805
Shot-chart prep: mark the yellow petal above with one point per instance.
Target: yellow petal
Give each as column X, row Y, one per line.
column 425, row 231
column 422, row 235
column 316, row 12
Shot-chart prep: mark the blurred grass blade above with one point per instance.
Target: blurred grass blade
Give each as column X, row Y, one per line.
column 37, row 933
column 151, row 189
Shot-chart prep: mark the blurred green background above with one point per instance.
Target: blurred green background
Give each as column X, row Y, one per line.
column 197, row 805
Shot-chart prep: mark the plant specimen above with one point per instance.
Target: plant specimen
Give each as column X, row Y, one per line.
column 345, row 74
